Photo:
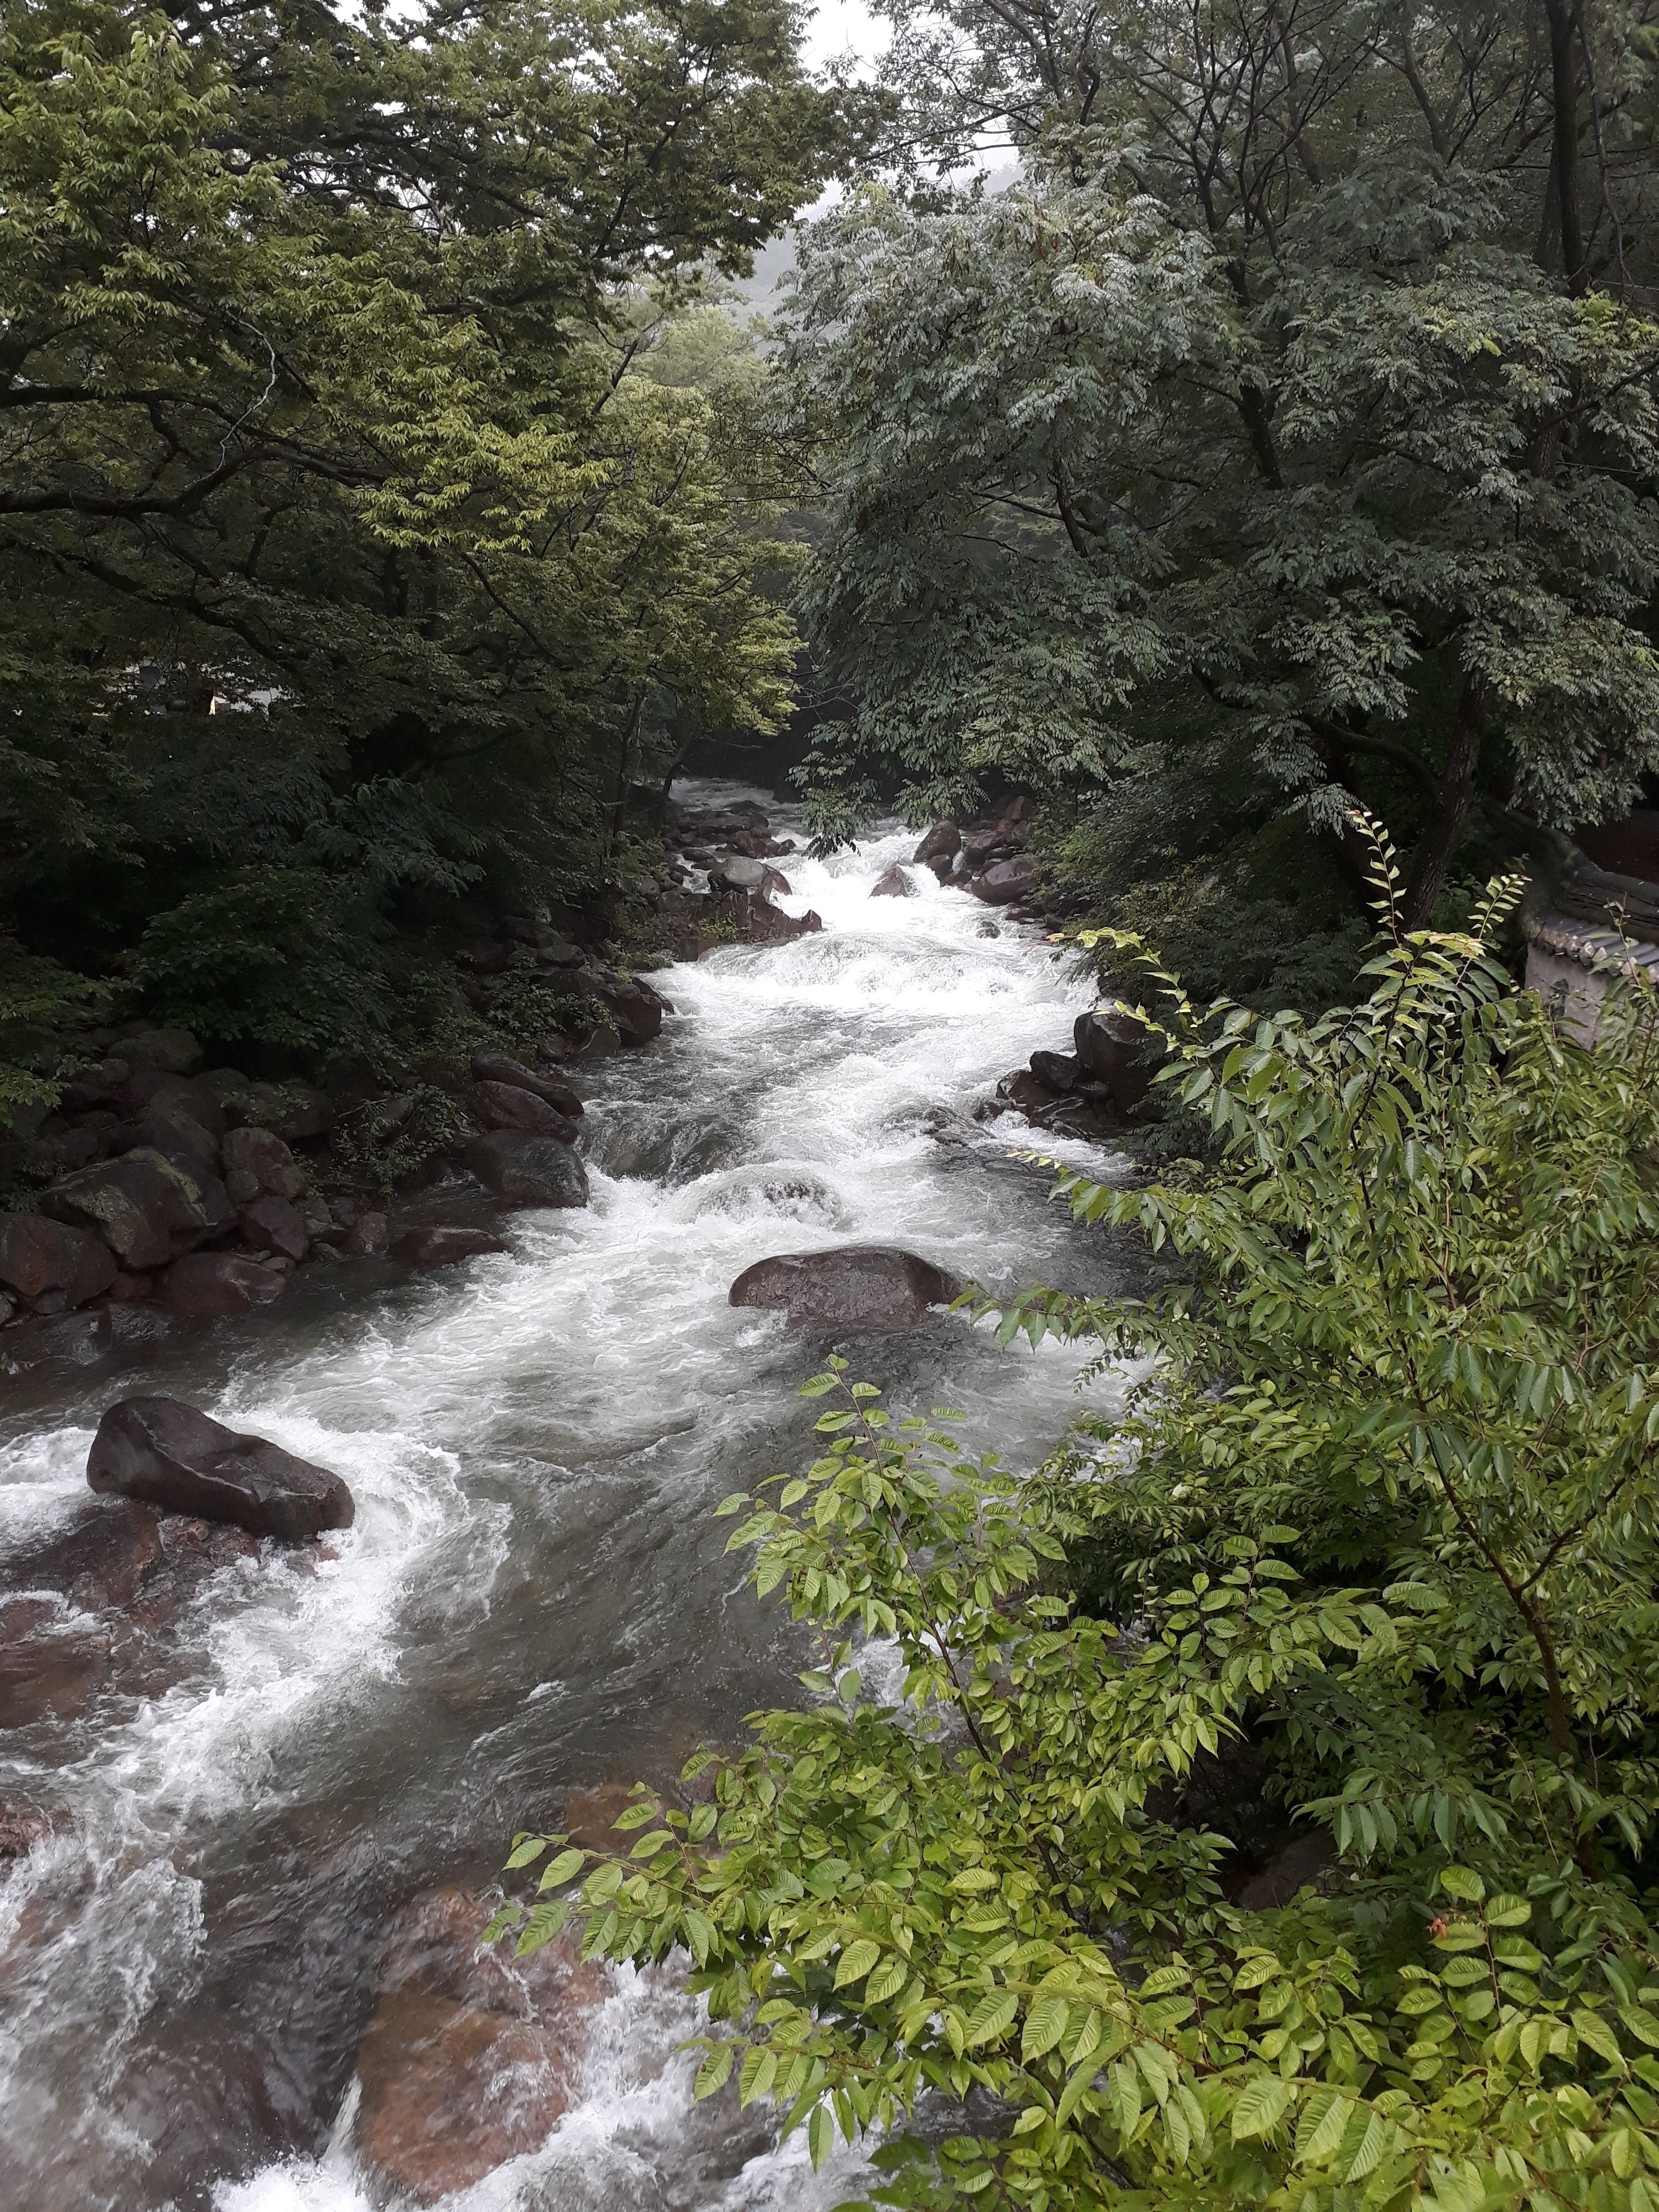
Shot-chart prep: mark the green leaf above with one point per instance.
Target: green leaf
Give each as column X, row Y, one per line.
column 1373, row 2144
column 820, row 2135
column 1260, row 2106
column 886, row 1981
column 1044, row 2027
column 855, row 1962
column 525, row 1854
column 1324, row 2122
column 545, row 1922
column 712, row 2074
column 989, row 2019
column 561, row 1869
column 1462, row 1882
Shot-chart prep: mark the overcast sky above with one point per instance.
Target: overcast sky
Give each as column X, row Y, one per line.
column 841, row 26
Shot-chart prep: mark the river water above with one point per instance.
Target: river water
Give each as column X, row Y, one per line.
column 533, row 1597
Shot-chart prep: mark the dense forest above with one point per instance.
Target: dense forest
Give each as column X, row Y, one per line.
column 395, row 494
column 387, row 499
column 376, row 508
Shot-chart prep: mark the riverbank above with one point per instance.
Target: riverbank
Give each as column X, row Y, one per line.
column 532, row 1600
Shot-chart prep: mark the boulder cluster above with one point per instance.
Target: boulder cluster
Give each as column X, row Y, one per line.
column 191, row 1193
column 1099, row 1089
column 734, row 846
column 985, row 856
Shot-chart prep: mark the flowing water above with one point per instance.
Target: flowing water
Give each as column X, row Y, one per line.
column 533, row 1597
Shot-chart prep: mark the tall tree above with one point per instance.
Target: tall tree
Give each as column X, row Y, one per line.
column 325, row 392
column 1249, row 412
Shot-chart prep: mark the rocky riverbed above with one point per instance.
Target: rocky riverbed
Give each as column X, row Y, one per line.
column 257, row 1785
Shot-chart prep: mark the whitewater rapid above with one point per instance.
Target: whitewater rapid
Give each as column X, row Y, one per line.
column 532, row 1597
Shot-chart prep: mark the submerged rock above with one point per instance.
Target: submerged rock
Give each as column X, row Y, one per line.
column 894, row 883
column 442, row 1246
column 80, row 1337
column 859, row 1286
column 168, row 1453
column 205, row 1285
column 471, row 2056
column 522, row 1170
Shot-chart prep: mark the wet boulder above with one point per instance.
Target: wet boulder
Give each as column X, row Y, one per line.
column 78, row 1338
column 762, row 923
column 1114, row 1049
column 146, row 1209
column 635, row 1010
column 259, row 1160
column 521, row 1169
column 369, row 1237
column 1004, row 881
column 853, row 1286
column 22, row 1825
column 1057, row 1070
column 893, row 884
column 205, row 1285
column 441, row 1247
column 169, row 1454
column 102, row 1559
column 506, row 1106
column 39, row 1257
column 273, row 1224
column 737, row 872
column 938, row 850
column 499, row 1067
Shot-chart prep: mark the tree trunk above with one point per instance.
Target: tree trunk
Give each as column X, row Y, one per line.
column 1454, row 796
column 1564, row 145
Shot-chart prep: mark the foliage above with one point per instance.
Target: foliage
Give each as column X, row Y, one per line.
column 1266, row 410
column 378, row 1145
column 352, row 552
column 523, row 1015
column 1383, row 1506
column 37, row 998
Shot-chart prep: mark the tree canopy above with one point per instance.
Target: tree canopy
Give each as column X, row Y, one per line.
column 1296, row 405
column 329, row 402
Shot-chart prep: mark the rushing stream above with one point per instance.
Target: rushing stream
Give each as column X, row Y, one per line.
column 533, row 1597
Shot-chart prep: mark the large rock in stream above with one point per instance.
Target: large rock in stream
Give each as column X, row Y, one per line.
column 855, row 1287
column 1114, row 1049
column 174, row 1456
